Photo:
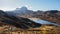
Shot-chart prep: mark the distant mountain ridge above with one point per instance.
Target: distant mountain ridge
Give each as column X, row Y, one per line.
column 53, row 16
column 23, row 11
column 20, row 12
column 46, row 15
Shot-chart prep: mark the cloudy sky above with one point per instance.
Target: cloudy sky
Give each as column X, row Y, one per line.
column 31, row 4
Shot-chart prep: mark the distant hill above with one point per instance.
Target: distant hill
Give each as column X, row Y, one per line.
column 52, row 15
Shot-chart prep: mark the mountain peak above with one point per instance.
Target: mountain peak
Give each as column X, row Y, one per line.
column 22, row 8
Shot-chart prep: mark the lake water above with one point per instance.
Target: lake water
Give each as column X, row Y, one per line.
column 45, row 22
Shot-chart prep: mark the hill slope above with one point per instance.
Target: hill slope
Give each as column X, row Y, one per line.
column 17, row 22
column 53, row 16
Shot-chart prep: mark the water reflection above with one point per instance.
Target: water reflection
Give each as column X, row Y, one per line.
column 45, row 22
